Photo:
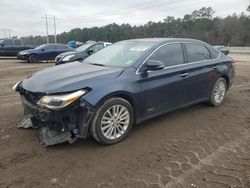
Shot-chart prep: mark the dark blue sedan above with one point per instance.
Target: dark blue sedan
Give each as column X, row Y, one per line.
column 122, row 85
column 43, row 52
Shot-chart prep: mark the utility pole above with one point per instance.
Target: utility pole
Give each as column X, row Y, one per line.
column 47, row 29
column 49, row 17
column 55, row 28
column 9, row 33
column 4, row 34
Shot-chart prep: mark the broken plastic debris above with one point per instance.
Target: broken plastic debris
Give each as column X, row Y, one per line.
column 5, row 137
column 53, row 180
column 25, row 123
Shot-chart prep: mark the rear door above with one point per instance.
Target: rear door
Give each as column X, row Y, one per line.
column 201, row 72
column 47, row 52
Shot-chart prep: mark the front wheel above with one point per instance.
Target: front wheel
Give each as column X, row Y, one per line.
column 33, row 58
column 113, row 121
column 218, row 92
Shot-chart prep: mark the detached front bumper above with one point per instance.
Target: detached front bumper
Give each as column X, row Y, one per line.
column 58, row 126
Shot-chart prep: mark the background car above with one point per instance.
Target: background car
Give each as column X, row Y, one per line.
column 124, row 84
column 43, row 52
column 223, row 49
column 11, row 46
column 81, row 52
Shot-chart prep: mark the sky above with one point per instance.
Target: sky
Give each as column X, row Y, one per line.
column 26, row 17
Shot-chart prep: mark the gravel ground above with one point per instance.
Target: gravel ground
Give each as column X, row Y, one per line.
column 199, row 146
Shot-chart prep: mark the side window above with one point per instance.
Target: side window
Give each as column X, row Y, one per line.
column 214, row 53
column 50, row 47
column 197, row 52
column 97, row 47
column 8, row 42
column 17, row 42
column 170, row 55
column 62, row 47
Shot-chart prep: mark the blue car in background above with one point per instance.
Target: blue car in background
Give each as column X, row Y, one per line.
column 43, row 52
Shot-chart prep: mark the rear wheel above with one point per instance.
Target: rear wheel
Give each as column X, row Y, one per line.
column 113, row 121
column 218, row 92
column 33, row 58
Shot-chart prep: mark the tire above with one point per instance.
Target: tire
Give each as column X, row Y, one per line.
column 218, row 93
column 33, row 58
column 107, row 129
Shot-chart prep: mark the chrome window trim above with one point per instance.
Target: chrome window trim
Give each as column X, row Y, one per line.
column 173, row 66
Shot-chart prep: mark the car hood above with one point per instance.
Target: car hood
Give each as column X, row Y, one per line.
column 28, row 51
column 66, row 53
column 69, row 77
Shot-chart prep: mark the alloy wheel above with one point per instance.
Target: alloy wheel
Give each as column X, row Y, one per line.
column 115, row 122
column 219, row 92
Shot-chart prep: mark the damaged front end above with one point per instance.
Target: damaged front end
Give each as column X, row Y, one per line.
column 56, row 125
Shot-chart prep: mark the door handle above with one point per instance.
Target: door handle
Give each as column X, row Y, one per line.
column 216, row 67
column 183, row 75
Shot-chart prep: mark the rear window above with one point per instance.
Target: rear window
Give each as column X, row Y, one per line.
column 197, row 52
column 63, row 47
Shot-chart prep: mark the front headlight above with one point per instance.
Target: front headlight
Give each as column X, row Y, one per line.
column 23, row 53
column 67, row 58
column 60, row 101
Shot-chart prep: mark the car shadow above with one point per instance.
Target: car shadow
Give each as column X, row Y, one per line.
column 138, row 129
column 39, row 62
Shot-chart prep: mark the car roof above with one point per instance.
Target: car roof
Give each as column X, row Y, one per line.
column 164, row 40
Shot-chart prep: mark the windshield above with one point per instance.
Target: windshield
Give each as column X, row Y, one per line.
column 120, row 54
column 40, row 47
column 83, row 47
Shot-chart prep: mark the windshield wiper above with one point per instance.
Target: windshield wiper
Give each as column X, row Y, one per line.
column 97, row 64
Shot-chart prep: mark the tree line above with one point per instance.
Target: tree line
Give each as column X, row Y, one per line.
column 233, row 30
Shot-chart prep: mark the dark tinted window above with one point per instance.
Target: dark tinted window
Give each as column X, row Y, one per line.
column 170, row 55
column 214, row 53
column 51, row 47
column 197, row 52
column 17, row 42
column 8, row 42
column 63, row 47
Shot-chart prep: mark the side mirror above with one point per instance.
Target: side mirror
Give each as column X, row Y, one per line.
column 226, row 52
column 90, row 52
column 2, row 45
column 43, row 49
column 154, row 65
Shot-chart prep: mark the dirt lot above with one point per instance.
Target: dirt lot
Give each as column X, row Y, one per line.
column 199, row 146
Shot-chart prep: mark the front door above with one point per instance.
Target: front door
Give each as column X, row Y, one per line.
column 164, row 89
